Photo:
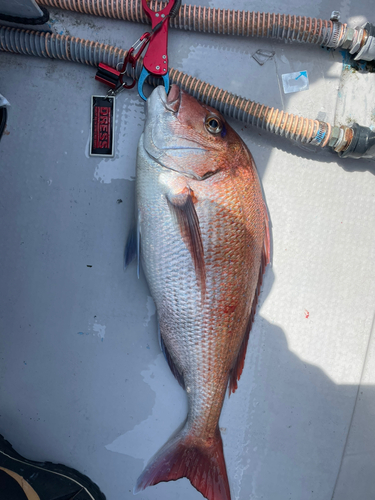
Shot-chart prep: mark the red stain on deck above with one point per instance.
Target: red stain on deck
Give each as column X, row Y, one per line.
column 307, row 314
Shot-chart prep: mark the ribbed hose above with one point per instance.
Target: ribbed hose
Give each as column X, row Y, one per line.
column 221, row 21
column 270, row 119
column 74, row 49
column 69, row 48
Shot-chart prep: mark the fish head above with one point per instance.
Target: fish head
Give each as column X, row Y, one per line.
column 187, row 136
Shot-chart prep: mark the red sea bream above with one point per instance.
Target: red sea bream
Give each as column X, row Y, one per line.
column 202, row 233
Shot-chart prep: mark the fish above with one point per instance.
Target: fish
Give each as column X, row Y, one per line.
column 202, row 238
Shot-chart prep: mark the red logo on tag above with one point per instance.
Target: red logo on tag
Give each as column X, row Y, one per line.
column 102, row 127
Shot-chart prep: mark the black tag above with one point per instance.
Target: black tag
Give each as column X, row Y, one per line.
column 102, row 125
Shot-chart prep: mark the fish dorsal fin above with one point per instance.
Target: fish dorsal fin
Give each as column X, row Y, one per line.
column 176, row 372
column 237, row 369
column 184, row 213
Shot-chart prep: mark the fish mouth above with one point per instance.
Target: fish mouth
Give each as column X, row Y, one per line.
column 172, row 100
column 163, row 140
column 162, row 112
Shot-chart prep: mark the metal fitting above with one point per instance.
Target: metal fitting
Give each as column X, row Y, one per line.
column 340, row 144
column 367, row 52
column 346, row 135
column 357, row 41
column 367, row 48
column 360, row 143
column 335, row 134
column 335, row 16
column 348, row 38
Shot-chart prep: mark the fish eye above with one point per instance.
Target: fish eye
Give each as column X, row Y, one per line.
column 213, row 124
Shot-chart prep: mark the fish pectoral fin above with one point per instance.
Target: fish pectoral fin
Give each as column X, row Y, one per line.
column 138, row 243
column 183, row 211
column 133, row 246
column 130, row 247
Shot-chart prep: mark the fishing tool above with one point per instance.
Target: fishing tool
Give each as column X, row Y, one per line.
column 155, row 60
column 103, row 107
column 114, row 78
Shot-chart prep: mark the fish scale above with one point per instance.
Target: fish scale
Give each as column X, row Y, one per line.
column 204, row 246
column 185, row 296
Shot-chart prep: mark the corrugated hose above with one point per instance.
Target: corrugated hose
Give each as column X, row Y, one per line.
column 359, row 41
column 222, row 21
column 74, row 49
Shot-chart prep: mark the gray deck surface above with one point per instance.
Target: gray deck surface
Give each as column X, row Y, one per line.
column 82, row 379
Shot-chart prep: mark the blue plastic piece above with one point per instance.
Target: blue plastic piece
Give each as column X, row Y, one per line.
column 166, row 82
column 142, row 78
column 319, row 137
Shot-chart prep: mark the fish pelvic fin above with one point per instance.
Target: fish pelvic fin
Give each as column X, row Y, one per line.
column 183, row 211
column 239, row 364
column 202, row 462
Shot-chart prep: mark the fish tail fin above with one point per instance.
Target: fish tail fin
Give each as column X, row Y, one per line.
column 184, row 455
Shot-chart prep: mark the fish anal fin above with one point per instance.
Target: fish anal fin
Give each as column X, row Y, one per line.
column 237, row 369
column 183, row 210
column 202, row 463
column 238, row 366
column 176, row 372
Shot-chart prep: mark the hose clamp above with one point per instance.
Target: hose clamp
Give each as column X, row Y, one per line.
column 335, row 35
column 321, row 134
